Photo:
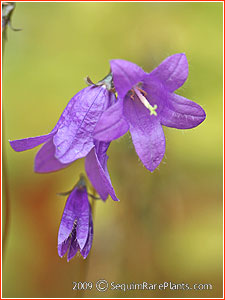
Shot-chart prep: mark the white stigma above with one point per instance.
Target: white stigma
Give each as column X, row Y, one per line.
column 142, row 98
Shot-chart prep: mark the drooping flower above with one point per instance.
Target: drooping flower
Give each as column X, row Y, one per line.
column 76, row 227
column 145, row 103
column 72, row 137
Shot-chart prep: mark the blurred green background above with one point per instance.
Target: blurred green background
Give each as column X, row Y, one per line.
column 168, row 224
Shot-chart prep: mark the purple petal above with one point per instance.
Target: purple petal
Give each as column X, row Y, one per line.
column 45, row 160
column 74, row 137
column 173, row 110
column 112, row 124
column 29, row 143
column 63, row 247
column 179, row 112
column 156, row 94
column 74, row 247
column 125, row 75
column 83, row 220
column 146, row 131
column 75, row 209
column 172, row 72
column 97, row 172
column 88, row 244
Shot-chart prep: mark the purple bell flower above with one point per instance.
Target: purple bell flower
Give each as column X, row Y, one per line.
column 72, row 137
column 145, row 103
column 76, row 227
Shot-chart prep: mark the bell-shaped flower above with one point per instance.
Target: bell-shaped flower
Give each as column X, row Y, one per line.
column 145, row 103
column 76, row 227
column 72, row 137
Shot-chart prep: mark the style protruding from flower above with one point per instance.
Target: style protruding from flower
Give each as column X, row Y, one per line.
column 146, row 101
column 76, row 227
column 72, row 137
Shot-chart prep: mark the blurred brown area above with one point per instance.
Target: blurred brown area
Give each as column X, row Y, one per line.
column 168, row 225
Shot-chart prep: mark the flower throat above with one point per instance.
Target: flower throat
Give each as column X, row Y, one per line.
column 141, row 94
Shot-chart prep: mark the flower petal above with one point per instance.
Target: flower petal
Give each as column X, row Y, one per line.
column 74, row 247
column 74, row 137
column 179, row 112
column 173, row 110
column 82, row 212
column 63, row 247
column 85, row 251
column 147, row 133
column 45, row 160
column 111, row 124
column 75, row 210
column 97, row 172
column 172, row 72
column 29, row 143
column 125, row 75
column 156, row 94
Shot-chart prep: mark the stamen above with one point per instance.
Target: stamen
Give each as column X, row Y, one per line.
column 73, row 231
column 139, row 92
column 132, row 94
column 142, row 91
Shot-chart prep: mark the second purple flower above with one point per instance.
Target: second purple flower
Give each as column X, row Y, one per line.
column 146, row 101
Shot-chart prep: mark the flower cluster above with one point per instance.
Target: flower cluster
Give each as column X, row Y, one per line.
column 126, row 99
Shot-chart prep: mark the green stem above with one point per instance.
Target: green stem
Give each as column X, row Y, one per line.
column 7, row 10
column 5, row 184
